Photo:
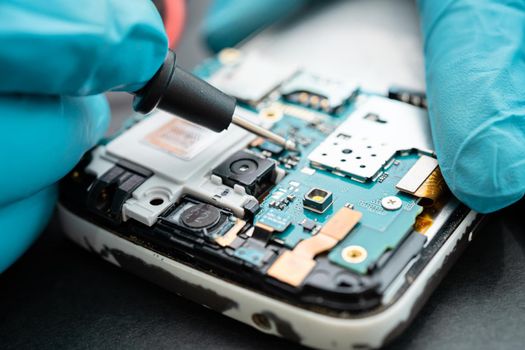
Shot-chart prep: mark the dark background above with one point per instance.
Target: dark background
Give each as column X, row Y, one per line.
column 59, row 296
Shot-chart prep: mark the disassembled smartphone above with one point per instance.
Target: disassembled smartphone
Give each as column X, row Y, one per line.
column 336, row 245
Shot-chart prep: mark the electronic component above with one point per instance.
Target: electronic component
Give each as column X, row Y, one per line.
column 293, row 266
column 415, row 98
column 271, row 148
column 251, row 77
column 424, row 180
column 432, row 189
column 282, row 203
column 299, row 112
column 274, row 221
column 323, row 128
column 361, row 149
column 290, row 160
column 255, row 174
column 317, row 200
column 308, row 225
column 419, row 172
column 308, row 171
column 201, row 219
column 200, row 216
column 317, row 93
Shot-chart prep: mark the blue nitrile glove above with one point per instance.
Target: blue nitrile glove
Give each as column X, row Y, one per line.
column 230, row 21
column 51, row 54
column 475, row 69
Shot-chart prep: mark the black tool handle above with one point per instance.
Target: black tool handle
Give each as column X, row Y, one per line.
column 176, row 91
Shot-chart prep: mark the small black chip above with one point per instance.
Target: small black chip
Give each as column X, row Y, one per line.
column 415, row 98
column 308, row 225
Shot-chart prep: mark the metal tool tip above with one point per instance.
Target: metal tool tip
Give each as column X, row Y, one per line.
column 290, row 145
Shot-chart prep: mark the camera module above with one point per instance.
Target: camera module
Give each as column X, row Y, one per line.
column 254, row 173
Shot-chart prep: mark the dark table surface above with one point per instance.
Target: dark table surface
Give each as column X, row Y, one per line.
column 60, row 296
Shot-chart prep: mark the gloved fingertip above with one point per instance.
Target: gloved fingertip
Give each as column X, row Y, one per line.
column 487, row 170
column 228, row 22
column 489, row 205
column 21, row 223
column 474, row 76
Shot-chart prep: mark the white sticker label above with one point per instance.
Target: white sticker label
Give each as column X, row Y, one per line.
column 181, row 138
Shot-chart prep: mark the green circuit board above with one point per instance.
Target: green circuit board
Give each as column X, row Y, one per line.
column 378, row 230
column 283, row 209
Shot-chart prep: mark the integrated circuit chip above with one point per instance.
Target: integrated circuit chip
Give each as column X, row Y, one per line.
column 308, row 224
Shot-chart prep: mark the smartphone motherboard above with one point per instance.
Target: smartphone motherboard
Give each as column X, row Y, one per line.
column 330, row 226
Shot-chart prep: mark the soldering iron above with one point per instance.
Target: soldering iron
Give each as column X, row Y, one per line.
column 176, row 91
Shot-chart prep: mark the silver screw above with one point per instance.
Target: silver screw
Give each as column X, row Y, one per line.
column 391, row 203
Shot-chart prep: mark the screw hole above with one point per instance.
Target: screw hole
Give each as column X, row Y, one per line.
column 323, row 154
column 362, row 166
column 343, row 160
column 373, row 155
column 347, row 151
column 156, row 201
column 358, row 157
column 261, row 321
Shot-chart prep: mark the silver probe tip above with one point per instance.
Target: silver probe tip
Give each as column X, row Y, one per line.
column 290, row 145
column 264, row 133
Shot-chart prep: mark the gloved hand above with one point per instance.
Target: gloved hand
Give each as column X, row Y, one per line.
column 230, row 21
column 475, row 73
column 52, row 54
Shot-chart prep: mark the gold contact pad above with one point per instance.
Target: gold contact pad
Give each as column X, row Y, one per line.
column 293, row 266
column 341, row 223
column 311, row 247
